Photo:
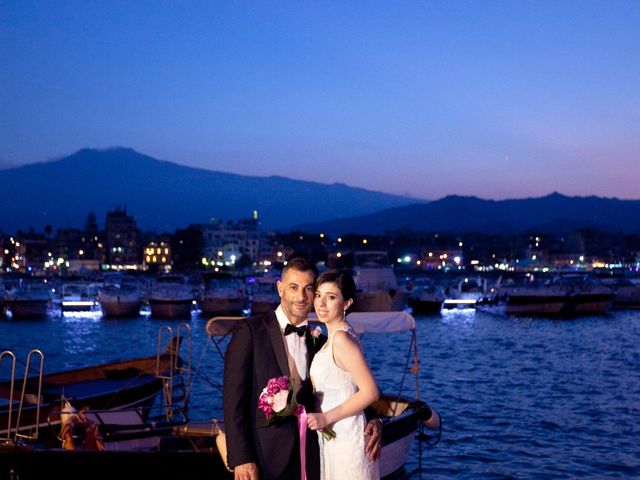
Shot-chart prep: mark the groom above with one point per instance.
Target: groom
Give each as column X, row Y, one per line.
column 264, row 347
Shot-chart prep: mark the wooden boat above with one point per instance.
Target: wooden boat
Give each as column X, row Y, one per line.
column 133, row 451
column 123, row 384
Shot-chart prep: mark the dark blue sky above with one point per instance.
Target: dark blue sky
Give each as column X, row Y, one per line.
column 499, row 99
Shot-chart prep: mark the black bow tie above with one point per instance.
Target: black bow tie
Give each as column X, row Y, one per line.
column 290, row 329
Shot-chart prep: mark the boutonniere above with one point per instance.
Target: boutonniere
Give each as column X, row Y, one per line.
column 315, row 334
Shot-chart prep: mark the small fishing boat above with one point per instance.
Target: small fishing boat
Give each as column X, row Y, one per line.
column 27, row 406
column 125, row 442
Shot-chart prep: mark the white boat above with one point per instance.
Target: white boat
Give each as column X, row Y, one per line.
column 464, row 292
column 120, row 296
column 171, row 297
column 562, row 296
column 534, row 299
column 80, row 298
column 222, row 296
column 377, row 288
column 29, row 299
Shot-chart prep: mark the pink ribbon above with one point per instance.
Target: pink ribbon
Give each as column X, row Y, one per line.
column 301, row 413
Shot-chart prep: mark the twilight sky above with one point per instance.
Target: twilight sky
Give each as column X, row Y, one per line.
column 498, row 99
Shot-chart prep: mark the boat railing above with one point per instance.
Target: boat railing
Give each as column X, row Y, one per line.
column 11, row 355
column 173, row 378
column 32, row 436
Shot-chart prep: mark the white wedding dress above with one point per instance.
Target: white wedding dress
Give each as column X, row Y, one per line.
column 342, row 457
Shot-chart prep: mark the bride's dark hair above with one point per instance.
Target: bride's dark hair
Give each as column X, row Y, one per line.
column 342, row 279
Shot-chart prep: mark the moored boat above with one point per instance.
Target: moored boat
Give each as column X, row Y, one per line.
column 426, row 297
column 626, row 293
column 171, row 297
column 566, row 296
column 79, row 298
column 120, row 384
column 29, row 299
column 120, row 296
column 222, row 296
column 376, row 283
column 263, row 294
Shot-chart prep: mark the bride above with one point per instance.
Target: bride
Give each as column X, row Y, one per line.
column 343, row 384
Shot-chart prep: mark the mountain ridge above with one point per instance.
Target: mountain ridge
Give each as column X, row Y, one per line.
column 163, row 195
column 456, row 213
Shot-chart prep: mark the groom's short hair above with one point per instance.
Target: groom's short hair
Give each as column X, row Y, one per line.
column 300, row 264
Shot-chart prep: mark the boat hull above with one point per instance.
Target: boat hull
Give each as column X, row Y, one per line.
column 121, row 307
column 170, row 308
column 399, row 430
column 221, row 306
column 28, row 308
column 126, row 384
column 426, row 307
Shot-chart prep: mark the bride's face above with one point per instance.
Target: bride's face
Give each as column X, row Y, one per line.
column 329, row 303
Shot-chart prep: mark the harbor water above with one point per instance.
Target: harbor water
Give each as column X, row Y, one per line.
column 520, row 398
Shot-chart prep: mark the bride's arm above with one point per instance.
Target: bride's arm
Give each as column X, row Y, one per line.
column 348, row 356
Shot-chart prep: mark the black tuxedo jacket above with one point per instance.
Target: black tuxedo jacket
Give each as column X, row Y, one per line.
column 256, row 354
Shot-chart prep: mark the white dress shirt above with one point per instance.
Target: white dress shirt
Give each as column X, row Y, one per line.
column 294, row 344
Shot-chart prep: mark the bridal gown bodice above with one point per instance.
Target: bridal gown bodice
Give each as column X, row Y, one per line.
column 342, row 457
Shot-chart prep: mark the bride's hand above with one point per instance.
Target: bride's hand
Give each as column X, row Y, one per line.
column 316, row 421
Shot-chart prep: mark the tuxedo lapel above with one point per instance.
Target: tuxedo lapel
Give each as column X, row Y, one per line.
column 275, row 336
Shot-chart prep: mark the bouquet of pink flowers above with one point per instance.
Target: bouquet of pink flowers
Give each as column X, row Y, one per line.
column 277, row 398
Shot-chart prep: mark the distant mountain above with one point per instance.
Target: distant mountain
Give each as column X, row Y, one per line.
column 553, row 213
column 163, row 196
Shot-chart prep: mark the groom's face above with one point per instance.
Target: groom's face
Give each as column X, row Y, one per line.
column 296, row 294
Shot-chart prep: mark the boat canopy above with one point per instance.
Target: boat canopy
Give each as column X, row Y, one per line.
column 362, row 322
column 221, row 326
column 381, row 322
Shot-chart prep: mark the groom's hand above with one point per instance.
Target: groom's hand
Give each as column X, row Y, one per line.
column 373, row 430
column 246, row 471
